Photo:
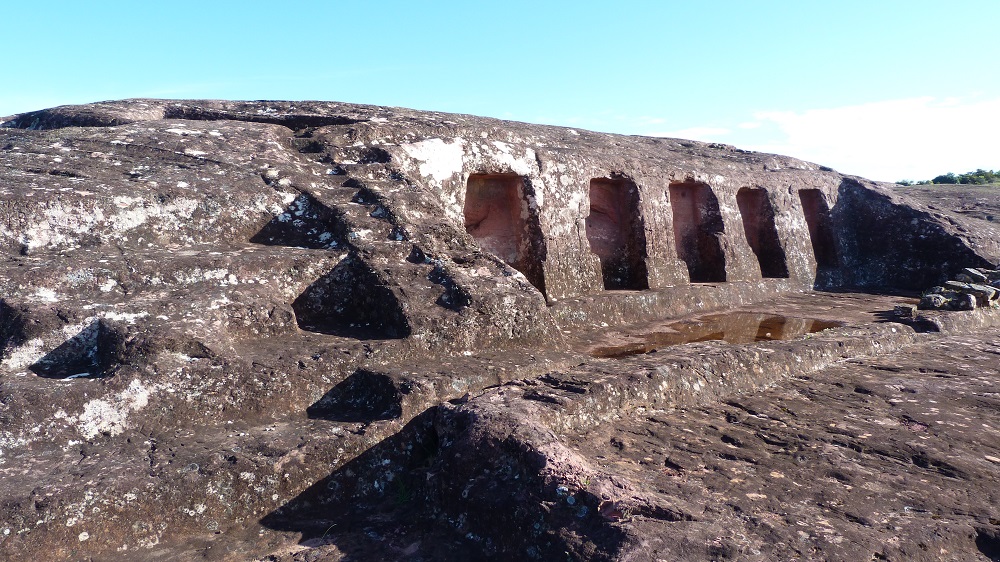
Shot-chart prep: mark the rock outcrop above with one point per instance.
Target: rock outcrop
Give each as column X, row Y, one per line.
column 974, row 287
column 291, row 331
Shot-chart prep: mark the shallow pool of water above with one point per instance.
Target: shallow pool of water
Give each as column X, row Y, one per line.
column 731, row 327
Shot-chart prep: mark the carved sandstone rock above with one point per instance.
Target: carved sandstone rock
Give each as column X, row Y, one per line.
column 312, row 330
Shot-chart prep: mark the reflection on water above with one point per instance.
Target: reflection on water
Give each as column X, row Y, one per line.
column 731, row 327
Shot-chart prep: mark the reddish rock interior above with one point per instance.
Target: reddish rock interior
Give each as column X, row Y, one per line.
column 697, row 228
column 493, row 216
column 615, row 233
column 758, row 224
column 817, row 214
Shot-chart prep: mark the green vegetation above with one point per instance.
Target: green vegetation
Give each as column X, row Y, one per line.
column 979, row 177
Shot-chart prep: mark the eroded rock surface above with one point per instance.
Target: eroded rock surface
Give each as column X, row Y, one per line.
column 322, row 331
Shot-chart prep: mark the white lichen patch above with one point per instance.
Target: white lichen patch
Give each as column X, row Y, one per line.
column 169, row 215
column 504, row 155
column 129, row 317
column 25, row 355
column 440, row 160
column 63, row 224
column 8, row 442
column 110, row 416
column 78, row 277
column 216, row 304
column 46, row 294
column 198, row 275
column 195, row 510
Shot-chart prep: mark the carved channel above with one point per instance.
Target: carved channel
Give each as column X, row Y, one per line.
column 352, row 301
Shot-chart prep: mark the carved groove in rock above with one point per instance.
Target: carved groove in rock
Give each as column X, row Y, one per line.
column 94, row 352
column 352, row 301
column 305, row 223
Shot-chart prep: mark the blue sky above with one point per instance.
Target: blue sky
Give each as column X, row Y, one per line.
column 884, row 89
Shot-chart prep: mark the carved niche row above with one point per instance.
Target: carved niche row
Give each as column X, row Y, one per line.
column 499, row 216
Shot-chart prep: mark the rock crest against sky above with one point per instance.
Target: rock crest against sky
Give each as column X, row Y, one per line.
column 867, row 88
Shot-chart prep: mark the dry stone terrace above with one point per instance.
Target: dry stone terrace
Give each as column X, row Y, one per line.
column 323, row 331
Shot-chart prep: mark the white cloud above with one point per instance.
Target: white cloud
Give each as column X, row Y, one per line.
column 915, row 138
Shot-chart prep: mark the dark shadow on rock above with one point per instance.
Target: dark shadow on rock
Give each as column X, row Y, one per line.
column 61, row 117
column 12, row 327
column 455, row 297
column 306, row 223
column 378, row 208
column 352, row 301
column 365, row 396
column 493, row 482
column 919, row 325
column 988, row 543
column 188, row 346
column 882, row 291
column 374, row 507
column 822, row 237
column 95, row 352
column 464, row 487
column 887, row 316
column 698, row 230
column 293, row 121
column 881, row 243
column 375, row 155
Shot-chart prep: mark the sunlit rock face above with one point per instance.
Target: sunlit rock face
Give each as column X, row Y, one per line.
column 233, row 326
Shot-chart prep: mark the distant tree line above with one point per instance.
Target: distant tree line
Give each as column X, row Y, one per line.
column 979, row 177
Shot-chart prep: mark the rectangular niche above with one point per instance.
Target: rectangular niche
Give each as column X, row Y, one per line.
column 817, row 215
column 698, row 228
column 762, row 234
column 498, row 217
column 616, row 233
